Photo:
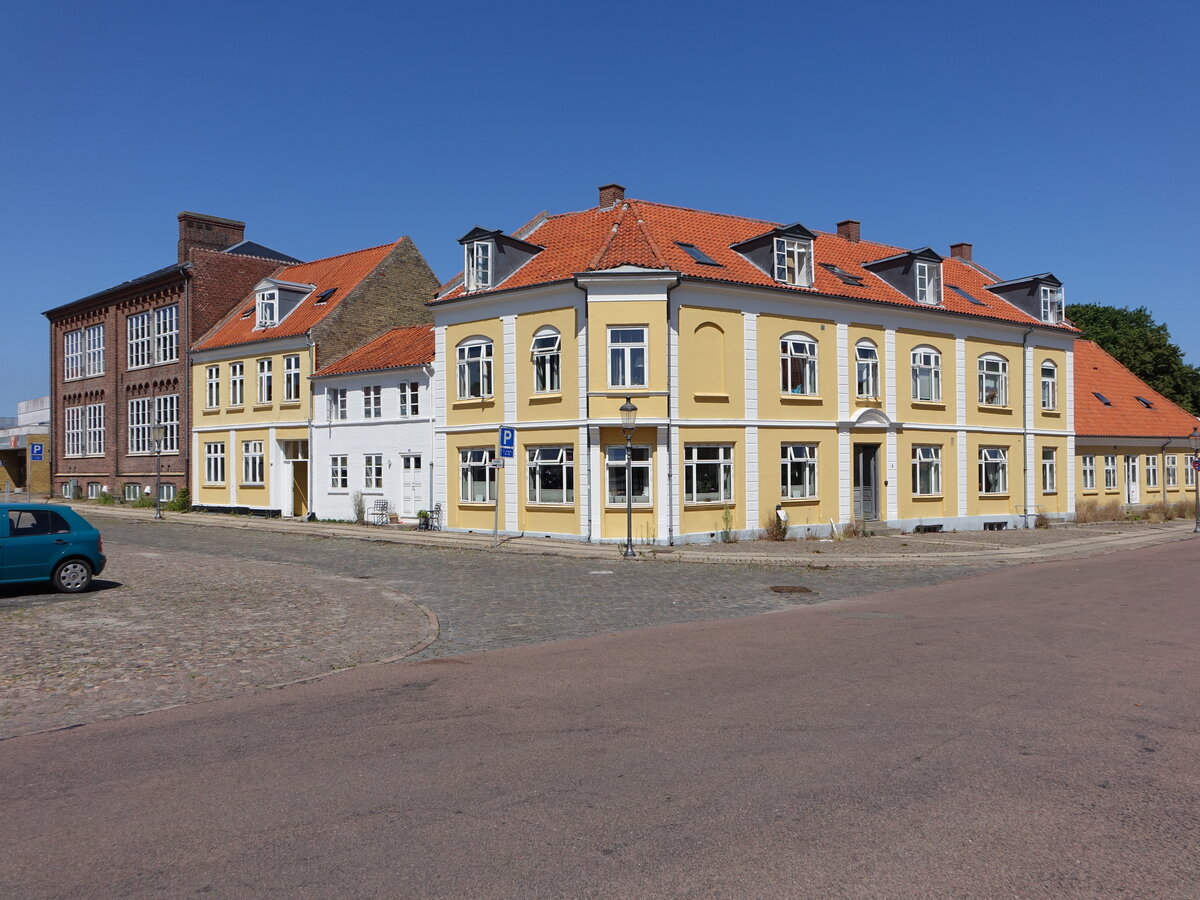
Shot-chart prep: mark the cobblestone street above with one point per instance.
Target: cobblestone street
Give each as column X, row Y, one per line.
column 238, row 611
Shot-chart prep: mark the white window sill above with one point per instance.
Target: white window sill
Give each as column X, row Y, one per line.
column 707, row 504
column 919, row 497
column 929, row 404
column 801, row 398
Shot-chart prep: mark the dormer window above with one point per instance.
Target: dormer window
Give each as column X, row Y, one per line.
column 793, row 261
column 268, row 309
column 478, row 265
column 1052, row 304
column 929, row 283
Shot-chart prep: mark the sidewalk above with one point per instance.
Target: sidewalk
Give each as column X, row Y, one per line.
column 1000, row 547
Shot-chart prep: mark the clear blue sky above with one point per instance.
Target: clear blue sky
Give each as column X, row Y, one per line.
column 1055, row 136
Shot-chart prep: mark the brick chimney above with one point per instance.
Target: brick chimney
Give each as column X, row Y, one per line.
column 960, row 251
column 850, row 229
column 611, row 195
column 210, row 232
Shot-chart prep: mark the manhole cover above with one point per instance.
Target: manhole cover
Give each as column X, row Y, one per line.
column 791, row 589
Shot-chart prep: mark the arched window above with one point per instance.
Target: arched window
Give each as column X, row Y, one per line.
column 546, row 350
column 866, row 374
column 709, row 352
column 993, row 380
column 474, row 368
column 927, row 375
column 1049, row 385
column 798, row 364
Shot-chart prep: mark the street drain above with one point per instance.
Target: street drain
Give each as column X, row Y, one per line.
column 791, row 589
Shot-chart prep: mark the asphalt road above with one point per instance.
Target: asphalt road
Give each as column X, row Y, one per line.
column 1028, row 732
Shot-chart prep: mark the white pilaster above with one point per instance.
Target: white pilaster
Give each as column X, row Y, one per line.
column 890, row 385
column 673, row 360
column 752, row 475
column 843, row 371
column 437, row 389
column 596, row 463
column 845, row 476
column 750, row 345
column 509, row 386
column 197, row 462
column 663, row 481
column 673, row 494
column 233, row 462
column 892, row 488
column 274, row 474
column 961, row 462
column 1069, row 462
column 584, row 480
column 960, row 381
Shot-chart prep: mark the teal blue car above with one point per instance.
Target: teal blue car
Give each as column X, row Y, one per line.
column 44, row 542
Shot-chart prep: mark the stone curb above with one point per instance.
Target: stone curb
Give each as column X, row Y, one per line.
column 1083, row 547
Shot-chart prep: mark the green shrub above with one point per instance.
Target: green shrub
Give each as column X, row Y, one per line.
column 106, row 499
column 144, row 501
column 775, row 529
column 182, row 502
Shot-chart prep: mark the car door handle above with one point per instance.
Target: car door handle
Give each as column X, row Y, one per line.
column 60, row 541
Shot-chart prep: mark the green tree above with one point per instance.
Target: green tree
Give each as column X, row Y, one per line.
column 1143, row 346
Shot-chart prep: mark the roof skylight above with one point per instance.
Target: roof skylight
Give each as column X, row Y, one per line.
column 1099, row 396
column 1146, row 403
column 325, row 295
column 697, row 254
column 846, row 277
column 965, row 295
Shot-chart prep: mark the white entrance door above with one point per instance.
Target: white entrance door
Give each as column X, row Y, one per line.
column 412, row 485
column 1133, row 493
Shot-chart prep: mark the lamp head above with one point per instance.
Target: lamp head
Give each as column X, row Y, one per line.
column 628, row 416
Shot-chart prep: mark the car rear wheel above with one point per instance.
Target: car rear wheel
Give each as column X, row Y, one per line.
column 72, row 576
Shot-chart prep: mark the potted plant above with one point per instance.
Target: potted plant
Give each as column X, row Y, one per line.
column 422, row 520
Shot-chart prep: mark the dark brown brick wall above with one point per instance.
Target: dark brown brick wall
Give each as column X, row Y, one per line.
column 213, row 232
column 393, row 296
column 220, row 281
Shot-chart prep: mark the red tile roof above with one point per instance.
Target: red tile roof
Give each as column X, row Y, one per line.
column 1096, row 371
column 397, row 348
column 640, row 233
column 343, row 273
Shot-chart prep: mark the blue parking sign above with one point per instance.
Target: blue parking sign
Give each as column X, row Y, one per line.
column 508, row 442
column 36, row 451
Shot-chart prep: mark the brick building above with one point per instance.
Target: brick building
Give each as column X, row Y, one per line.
column 118, row 361
column 24, row 460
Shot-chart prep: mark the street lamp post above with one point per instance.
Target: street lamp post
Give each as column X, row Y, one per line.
column 159, row 433
column 628, row 423
column 1194, row 441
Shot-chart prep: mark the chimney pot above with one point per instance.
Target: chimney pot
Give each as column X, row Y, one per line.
column 850, row 229
column 960, row 251
column 210, row 232
column 611, row 195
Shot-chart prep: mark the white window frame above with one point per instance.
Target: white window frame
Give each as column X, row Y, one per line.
column 1189, row 474
column 927, row 470
column 291, row 378
column 266, row 309
column 1151, row 470
column 1052, row 305
column 94, row 421
column 93, row 490
column 541, row 463
column 1049, row 470
column 131, row 492
column 237, row 385
column 373, row 401
column 614, row 482
column 477, row 265
column 73, row 431
column 214, row 462
column 93, row 342
column 1171, row 465
column 139, row 340
column 993, row 379
column 475, row 468
column 1088, row 481
column 474, row 366
column 693, row 462
column 624, row 350
column 339, row 472
column 1111, row 480
column 793, row 261
column 335, row 399
column 166, row 334
column 546, row 351
column 265, row 392
column 373, row 471
column 410, row 399
column 798, row 356
column 139, row 426
column 73, row 355
column 993, row 459
column 253, row 469
column 928, row 283
column 926, row 372
column 212, row 387
column 166, row 413
column 166, row 492
column 798, row 471
column 866, row 370
column 1049, row 385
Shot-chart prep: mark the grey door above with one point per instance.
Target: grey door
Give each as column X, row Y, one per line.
column 866, row 491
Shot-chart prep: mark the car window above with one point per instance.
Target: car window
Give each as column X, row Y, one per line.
column 34, row 522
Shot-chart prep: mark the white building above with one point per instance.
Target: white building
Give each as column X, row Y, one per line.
column 372, row 431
